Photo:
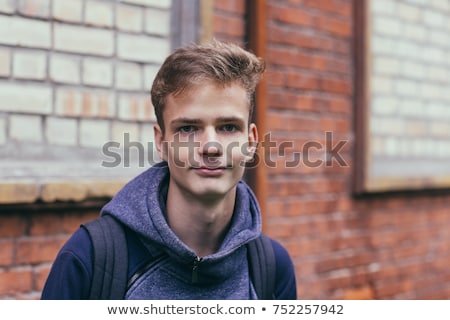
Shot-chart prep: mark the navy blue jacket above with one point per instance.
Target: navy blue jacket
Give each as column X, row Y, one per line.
column 140, row 206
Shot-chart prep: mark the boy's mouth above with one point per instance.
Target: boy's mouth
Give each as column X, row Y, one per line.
column 209, row 171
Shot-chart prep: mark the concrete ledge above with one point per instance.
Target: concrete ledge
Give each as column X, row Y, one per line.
column 19, row 192
column 16, row 192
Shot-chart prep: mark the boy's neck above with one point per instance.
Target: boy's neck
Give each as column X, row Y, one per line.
column 200, row 223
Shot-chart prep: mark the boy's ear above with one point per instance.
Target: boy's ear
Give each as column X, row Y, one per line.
column 159, row 142
column 252, row 142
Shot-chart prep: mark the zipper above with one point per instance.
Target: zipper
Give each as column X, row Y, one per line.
column 145, row 268
column 195, row 264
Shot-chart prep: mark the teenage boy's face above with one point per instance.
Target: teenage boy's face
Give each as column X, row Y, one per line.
column 207, row 139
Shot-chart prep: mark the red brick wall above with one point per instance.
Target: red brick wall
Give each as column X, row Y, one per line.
column 229, row 21
column 29, row 241
column 310, row 93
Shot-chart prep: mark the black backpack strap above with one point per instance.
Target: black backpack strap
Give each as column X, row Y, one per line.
column 262, row 266
column 110, row 265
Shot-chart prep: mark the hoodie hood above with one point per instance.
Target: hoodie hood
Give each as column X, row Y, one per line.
column 140, row 205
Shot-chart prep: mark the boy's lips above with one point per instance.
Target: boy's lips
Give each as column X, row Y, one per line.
column 209, row 171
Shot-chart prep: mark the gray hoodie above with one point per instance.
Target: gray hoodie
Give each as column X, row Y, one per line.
column 179, row 273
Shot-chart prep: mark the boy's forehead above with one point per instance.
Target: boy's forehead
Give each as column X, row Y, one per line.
column 233, row 93
column 208, row 102
column 194, row 88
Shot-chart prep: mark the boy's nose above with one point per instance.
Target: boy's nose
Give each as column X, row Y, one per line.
column 209, row 144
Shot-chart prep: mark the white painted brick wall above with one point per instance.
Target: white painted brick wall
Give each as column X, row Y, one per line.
column 436, row 74
column 94, row 133
column 119, row 128
column 435, row 110
column 150, row 72
column 65, row 69
column 385, row 105
column 68, row 10
column 17, row 31
column 34, row 8
column 392, row 147
column 83, row 40
column 415, row 32
column 5, row 62
column 381, row 85
column 147, row 134
column 440, row 5
column 411, row 107
column 77, row 73
column 142, row 48
column 409, row 12
column 129, row 18
column 99, row 14
column 98, row 104
column 129, row 76
column 30, row 65
column 383, row 7
column 73, row 102
column 157, row 22
column 441, row 130
column 31, row 98
column 97, row 72
column 428, row 91
column 2, row 131
column 7, row 6
column 135, row 107
column 25, row 128
column 386, row 65
column 440, row 38
column 61, row 131
column 68, row 102
column 433, row 55
column 412, row 70
column 408, row 49
column 416, row 2
column 387, row 26
column 151, row 3
column 410, row 80
column 434, row 19
column 383, row 45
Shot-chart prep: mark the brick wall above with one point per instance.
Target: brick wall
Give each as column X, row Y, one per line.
column 74, row 75
column 229, row 21
column 29, row 240
column 382, row 246
column 379, row 247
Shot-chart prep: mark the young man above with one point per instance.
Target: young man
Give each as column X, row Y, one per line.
column 191, row 213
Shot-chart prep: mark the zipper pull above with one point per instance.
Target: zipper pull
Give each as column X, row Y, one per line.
column 197, row 260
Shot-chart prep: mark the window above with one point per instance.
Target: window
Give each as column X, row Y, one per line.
column 402, row 97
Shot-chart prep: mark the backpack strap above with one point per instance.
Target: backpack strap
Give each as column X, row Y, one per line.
column 262, row 266
column 110, row 265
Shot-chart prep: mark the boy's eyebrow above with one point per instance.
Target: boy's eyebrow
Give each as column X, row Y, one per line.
column 183, row 120
column 230, row 119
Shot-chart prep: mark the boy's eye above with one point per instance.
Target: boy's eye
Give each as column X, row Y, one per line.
column 229, row 128
column 186, row 129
